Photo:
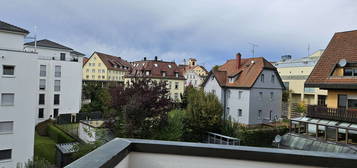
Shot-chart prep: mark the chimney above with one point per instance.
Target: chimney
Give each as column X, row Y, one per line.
column 238, row 59
column 155, row 58
column 144, row 58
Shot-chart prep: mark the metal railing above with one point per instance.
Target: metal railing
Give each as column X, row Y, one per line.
column 338, row 114
column 214, row 138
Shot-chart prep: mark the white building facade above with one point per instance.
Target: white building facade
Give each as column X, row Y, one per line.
column 60, row 79
column 18, row 97
column 251, row 95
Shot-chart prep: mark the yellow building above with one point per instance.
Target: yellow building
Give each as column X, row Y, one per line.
column 193, row 73
column 336, row 72
column 105, row 68
column 294, row 73
column 159, row 71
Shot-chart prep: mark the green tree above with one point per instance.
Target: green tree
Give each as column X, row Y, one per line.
column 175, row 128
column 203, row 114
column 100, row 98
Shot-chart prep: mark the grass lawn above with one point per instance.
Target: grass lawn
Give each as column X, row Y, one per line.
column 45, row 148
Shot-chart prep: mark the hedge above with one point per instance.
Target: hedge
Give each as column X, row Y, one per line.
column 58, row 135
column 262, row 137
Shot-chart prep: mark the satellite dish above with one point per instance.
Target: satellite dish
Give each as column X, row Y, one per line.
column 342, row 62
column 277, row 139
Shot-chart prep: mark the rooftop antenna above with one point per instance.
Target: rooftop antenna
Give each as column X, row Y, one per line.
column 253, row 48
column 34, row 38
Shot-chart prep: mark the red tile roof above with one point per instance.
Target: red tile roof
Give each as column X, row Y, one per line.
column 185, row 68
column 246, row 74
column 114, row 62
column 85, row 60
column 343, row 45
column 156, row 68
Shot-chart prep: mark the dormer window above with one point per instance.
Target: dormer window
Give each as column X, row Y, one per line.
column 147, row 73
column 163, row 74
column 155, row 65
column 231, row 79
column 169, row 66
column 176, row 74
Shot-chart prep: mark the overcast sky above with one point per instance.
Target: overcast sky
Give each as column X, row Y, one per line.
column 210, row 30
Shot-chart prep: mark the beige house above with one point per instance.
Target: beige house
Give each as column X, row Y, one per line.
column 193, row 73
column 158, row 70
column 294, row 73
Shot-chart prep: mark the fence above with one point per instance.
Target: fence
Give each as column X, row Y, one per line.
column 75, row 118
column 337, row 114
column 214, row 138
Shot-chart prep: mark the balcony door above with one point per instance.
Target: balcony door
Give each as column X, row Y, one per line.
column 342, row 101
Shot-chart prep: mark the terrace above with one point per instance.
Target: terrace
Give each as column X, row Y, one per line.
column 337, row 114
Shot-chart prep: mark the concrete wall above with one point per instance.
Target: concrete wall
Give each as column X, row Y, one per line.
column 86, row 133
column 152, row 160
column 24, row 85
column 12, row 41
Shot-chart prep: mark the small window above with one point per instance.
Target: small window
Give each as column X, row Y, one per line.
column 271, row 95
column 272, row 78
column 41, row 99
column 239, row 112
column 42, row 84
column 93, row 70
column 262, row 78
column 56, row 100
column 8, row 70
column 228, row 94
column 6, row 127
column 169, row 66
column 261, row 95
column 55, row 112
column 63, row 56
column 40, row 112
column 227, row 110
column 163, row 74
column 5, row 154
column 147, row 73
column 103, row 70
column 57, row 71
column 352, row 103
column 240, row 94
column 259, row 114
column 213, row 91
column 7, row 99
column 176, row 85
column 155, row 65
column 42, row 70
column 176, row 74
column 58, row 85
column 348, row 72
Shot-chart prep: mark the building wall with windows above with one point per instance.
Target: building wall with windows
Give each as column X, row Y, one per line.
column 192, row 78
column 18, row 101
column 95, row 69
column 59, row 81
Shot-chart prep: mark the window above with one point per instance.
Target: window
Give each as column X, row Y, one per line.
column 240, row 94
column 213, row 91
column 261, row 95
column 8, row 70
column 87, row 70
column 147, row 73
column 56, row 100
column 262, row 78
column 99, row 64
column 176, row 85
column 5, row 154
column 42, row 70
column 93, row 70
column 342, row 101
column 41, row 99
column 348, row 72
column 259, row 114
column 103, row 77
column 93, row 76
column 55, row 112
column 6, row 127
column 58, row 85
column 352, row 103
column 271, row 95
column 228, row 94
column 239, row 112
column 103, row 70
column 227, row 111
column 57, row 71
column 272, row 78
column 87, row 76
column 40, row 113
column 176, row 74
column 63, row 56
column 42, row 84
column 163, row 74
column 7, row 99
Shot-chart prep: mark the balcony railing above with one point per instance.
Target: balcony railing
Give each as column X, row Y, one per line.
column 337, row 114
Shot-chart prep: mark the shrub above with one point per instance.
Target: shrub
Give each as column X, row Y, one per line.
column 41, row 128
column 175, row 128
column 262, row 137
column 58, row 135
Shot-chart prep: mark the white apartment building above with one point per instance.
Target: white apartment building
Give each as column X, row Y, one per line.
column 18, row 82
column 250, row 90
column 59, row 79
